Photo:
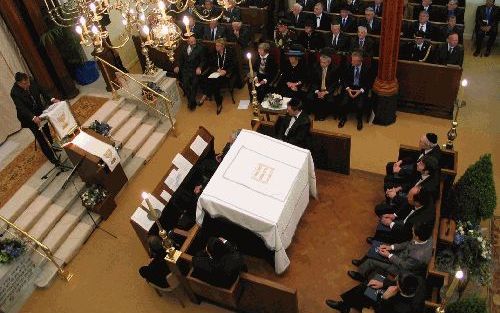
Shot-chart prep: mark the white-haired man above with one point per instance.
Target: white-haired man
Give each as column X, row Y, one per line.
column 362, row 42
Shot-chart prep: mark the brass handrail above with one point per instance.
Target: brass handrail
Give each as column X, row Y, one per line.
column 46, row 251
column 168, row 101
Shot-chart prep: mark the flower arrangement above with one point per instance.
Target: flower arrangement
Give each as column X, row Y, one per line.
column 471, row 251
column 10, row 249
column 274, row 100
column 94, row 195
column 101, row 128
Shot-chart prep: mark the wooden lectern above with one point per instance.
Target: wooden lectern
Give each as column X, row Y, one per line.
column 93, row 170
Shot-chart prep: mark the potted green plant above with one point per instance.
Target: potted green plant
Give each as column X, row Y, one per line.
column 473, row 195
column 471, row 304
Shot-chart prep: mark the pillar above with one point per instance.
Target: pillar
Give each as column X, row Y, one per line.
column 386, row 84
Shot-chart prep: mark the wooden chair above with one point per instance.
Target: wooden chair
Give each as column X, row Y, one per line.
column 227, row 297
column 173, row 288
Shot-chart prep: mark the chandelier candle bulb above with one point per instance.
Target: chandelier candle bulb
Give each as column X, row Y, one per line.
column 249, row 56
column 161, row 6
column 93, row 8
column 83, row 22
column 185, row 20
column 145, row 32
column 79, row 31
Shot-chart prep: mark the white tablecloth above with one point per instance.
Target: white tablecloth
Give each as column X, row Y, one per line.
column 263, row 184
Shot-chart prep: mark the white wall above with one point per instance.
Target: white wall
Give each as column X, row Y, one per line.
column 470, row 16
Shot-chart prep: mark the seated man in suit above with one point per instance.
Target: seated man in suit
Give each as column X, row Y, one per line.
column 221, row 61
column 372, row 24
column 209, row 10
column 231, row 12
column 405, row 295
column 410, row 256
column 214, row 31
column 355, row 6
column 324, row 81
column 347, row 22
column 293, row 73
column 322, row 20
column 30, row 101
column 310, row 39
column 192, row 60
column 283, row 36
column 378, row 7
column 294, row 128
column 296, row 17
column 417, row 50
column 356, row 82
column 451, row 27
column 487, row 17
column 330, row 6
column 307, row 5
column 422, row 25
column 337, row 40
column 220, row 264
column 450, row 52
column 362, row 43
column 157, row 270
column 452, row 10
column 239, row 34
column 427, row 7
column 265, row 71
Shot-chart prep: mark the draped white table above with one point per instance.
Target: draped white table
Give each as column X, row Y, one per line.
column 263, row 184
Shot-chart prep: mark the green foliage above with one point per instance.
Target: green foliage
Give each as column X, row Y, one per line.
column 67, row 42
column 473, row 195
column 472, row 304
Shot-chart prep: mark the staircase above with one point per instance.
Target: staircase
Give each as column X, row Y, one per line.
column 56, row 217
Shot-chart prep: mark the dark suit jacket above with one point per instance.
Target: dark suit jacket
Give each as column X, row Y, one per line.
column 481, row 15
column 380, row 10
column 445, row 31
column 350, row 25
column 400, row 304
column 334, row 6
column 214, row 12
column 442, row 56
column 226, row 63
column 220, row 33
column 244, row 38
column 298, row 134
column 356, row 7
column 324, row 23
column 410, row 51
column 311, row 42
column 156, row 272
column 403, row 231
column 433, row 12
column 189, row 63
column 297, row 22
column 365, row 78
column 429, row 30
column 368, row 46
column 229, row 17
column 374, row 29
column 271, row 69
column 341, row 45
column 26, row 109
column 309, row 6
column 332, row 79
column 459, row 14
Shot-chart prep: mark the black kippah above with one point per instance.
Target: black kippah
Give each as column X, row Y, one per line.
column 433, row 138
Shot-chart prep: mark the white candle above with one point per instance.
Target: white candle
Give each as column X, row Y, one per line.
column 249, row 56
column 83, row 22
column 79, row 31
column 458, row 276
column 464, row 83
column 145, row 31
column 185, row 20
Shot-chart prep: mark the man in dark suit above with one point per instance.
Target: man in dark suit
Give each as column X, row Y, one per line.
column 372, row 24
column 378, row 7
column 324, row 81
column 410, row 256
column 320, row 18
column 214, row 31
column 451, row 27
column 450, row 52
column 355, row 6
column 239, row 34
column 307, row 5
column 487, row 17
column 362, row 42
column 337, row 40
column 192, row 60
column 209, row 10
column 405, row 295
column 347, row 22
column 453, row 10
column 265, row 69
column 356, row 82
column 295, row 127
column 157, row 270
column 30, row 101
column 296, row 17
column 310, row 39
column 427, row 7
column 330, row 6
column 417, row 50
column 422, row 25
column 231, row 12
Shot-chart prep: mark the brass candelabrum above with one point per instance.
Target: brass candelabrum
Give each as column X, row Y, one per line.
column 459, row 103
column 254, row 100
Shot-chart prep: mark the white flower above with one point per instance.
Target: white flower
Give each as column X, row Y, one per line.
column 480, row 239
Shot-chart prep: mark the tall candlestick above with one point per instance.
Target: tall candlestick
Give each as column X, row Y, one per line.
column 458, row 276
column 249, row 56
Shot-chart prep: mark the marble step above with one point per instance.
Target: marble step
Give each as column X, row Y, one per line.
column 67, row 250
column 137, row 139
column 147, row 150
column 105, row 111
column 121, row 116
column 62, row 228
column 124, row 133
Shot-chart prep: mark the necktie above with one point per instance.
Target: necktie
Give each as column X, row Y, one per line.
column 292, row 120
column 189, row 50
column 343, row 21
column 334, row 41
column 488, row 13
column 213, row 34
column 450, row 50
column 376, row 9
column 323, row 79
column 421, row 27
column 356, row 76
column 361, row 42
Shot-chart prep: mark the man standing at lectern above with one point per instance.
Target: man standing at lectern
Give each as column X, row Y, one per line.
column 30, row 101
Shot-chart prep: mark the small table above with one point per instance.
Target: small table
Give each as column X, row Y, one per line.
column 268, row 111
column 263, row 185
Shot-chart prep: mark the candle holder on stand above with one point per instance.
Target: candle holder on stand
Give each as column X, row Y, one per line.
column 150, row 68
column 255, row 102
column 459, row 103
column 459, row 275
